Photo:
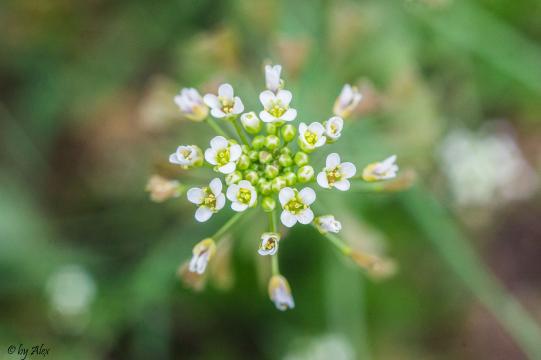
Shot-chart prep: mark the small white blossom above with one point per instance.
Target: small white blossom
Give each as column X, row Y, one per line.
column 280, row 293
column 187, row 156
column 311, row 136
column 202, row 253
column 241, row 195
column 269, row 243
column 333, row 128
column 276, row 106
column 347, row 101
column 296, row 205
column 272, row 77
column 327, row 223
column 223, row 154
column 225, row 104
column 336, row 174
column 191, row 104
column 210, row 199
column 251, row 122
column 383, row 170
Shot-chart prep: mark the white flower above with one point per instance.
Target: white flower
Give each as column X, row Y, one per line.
column 241, row 195
column 210, row 199
column 202, row 253
column 333, row 128
column 162, row 189
column 311, row 136
column 186, row 156
column 225, row 104
column 276, row 106
column 223, row 154
column 296, row 205
column 251, row 122
column 272, row 77
column 336, row 174
column 347, row 101
column 383, row 170
column 280, row 293
column 327, row 223
column 269, row 243
column 191, row 104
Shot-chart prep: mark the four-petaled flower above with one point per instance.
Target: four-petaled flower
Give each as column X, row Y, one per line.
column 311, row 136
column 187, row 156
column 202, row 253
column 272, row 77
column 223, row 154
column 296, row 205
column 336, row 174
column 269, row 243
column 276, row 106
column 280, row 293
column 327, row 223
column 210, row 199
column 347, row 101
column 226, row 104
column 191, row 104
column 333, row 128
column 241, row 195
column 382, row 170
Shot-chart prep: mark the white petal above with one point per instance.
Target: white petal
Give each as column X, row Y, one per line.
column 220, row 201
column 321, row 141
column 284, row 96
column 306, row 216
column 226, row 91
column 389, row 161
column 302, row 128
column 245, row 184
column 307, row 195
column 227, row 168
column 212, row 101
column 317, row 128
column 202, row 214
column 195, row 195
column 342, row 185
column 218, row 143
column 235, row 151
column 232, row 192
column 239, row 106
column 289, row 115
column 288, row 219
column 253, row 198
column 285, row 195
column 216, row 186
column 266, row 117
column 210, row 156
column 266, row 97
column 173, row 159
column 348, row 169
column 217, row 113
column 322, row 180
column 333, row 160
column 237, row 206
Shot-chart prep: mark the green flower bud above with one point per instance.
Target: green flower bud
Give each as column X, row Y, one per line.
column 265, row 187
column 305, row 173
column 271, row 128
column 272, row 142
column 265, row 157
column 245, row 149
column 285, row 160
column 271, row 171
column 233, row 178
column 251, row 176
column 291, row 178
column 288, row 132
column 253, row 155
column 244, row 162
column 251, row 123
column 301, row 158
column 258, row 142
column 278, row 183
column 286, row 151
column 268, row 204
column 287, row 169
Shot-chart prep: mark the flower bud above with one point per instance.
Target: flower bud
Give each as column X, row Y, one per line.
column 265, row 157
column 253, row 155
column 162, row 189
column 280, row 293
column 305, row 174
column 291, row 178
column 286, row 151
column 278, row 183
column 285, row 160
column 327, row 223
column 301, row 158
column 272, row 128
column 258, row 142
column 244, row 162
column 268, row 204
column 251, row 123
column 202, row 253
column 265, row 187
column 245, row 149
column 233, row 178
column 271, row 171
column 288, row 132
column 251, row 176
column 272, row 142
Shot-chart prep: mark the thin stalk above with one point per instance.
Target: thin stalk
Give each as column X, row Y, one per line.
column 339, row 243
column 275, row 267
column 225, row 227
column 216, row 127
column 240, row 132
column 272, row 221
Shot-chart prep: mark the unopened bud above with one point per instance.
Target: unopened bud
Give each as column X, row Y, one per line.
column 285, row 160
column 288, row 132
column 272, row 142
column 268, row 204
column 301, row 158
column 291, row 178
column 258, row 142
column 244, row 162
column 251, row 176
column 233, row 178
column 271, row 171
column 251, row 123
column 265, row 157
column 278, row 183
column 305, row 174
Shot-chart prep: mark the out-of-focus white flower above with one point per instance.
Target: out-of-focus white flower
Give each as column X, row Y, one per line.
column 272, row 77
column 241, row 195
column 311, row 136
column 276, row 106
column 187, row 156
column 202, row 253
column 269, row 243
column 296, row 205
column 223, row 154
column 333, row 128
column 336, row 174
column 383, row 170
column 71, row 290
column 280, row 293
column 327, row 223
column 210, row 199
column 251, row 122
column 162, row 189
column 330, row 346
column 191, row 104
column 347, row 101
column 225, row 104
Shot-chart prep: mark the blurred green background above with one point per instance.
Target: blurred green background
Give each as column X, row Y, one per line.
column 89, row 263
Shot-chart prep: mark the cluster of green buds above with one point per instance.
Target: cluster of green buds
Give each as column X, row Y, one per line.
column 267, row 165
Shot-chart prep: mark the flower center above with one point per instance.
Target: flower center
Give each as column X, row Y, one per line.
column 209, row 200
column 227, row 105
column 295, row 206
column 276, row 109
column 334, row 129
column 186, row 153
column 244, row 196
column 222, row 157
column 334, row 175
column 271, row 244
column 310, row 137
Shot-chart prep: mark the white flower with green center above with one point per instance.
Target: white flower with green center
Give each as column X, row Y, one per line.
column 347, row 101
column 202, row 253
column 327, row 223
column 336, row 174
column 333, row 128
column 242, row 195
column 296, row 205
column 223, row 154
column 276, row 106
column 269, row 243
column 272, row 77
column 187, row 156
column 311, row 136
column 383, row 170
column 210, row 199
column 226, row 104
column 280, row 293
column 191, row 104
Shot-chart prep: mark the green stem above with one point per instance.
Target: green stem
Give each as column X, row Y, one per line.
column 225, row 227
column 240, row 132
column 272, row 220
column 339, row 243
column 216, row 127
column 275, row 267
